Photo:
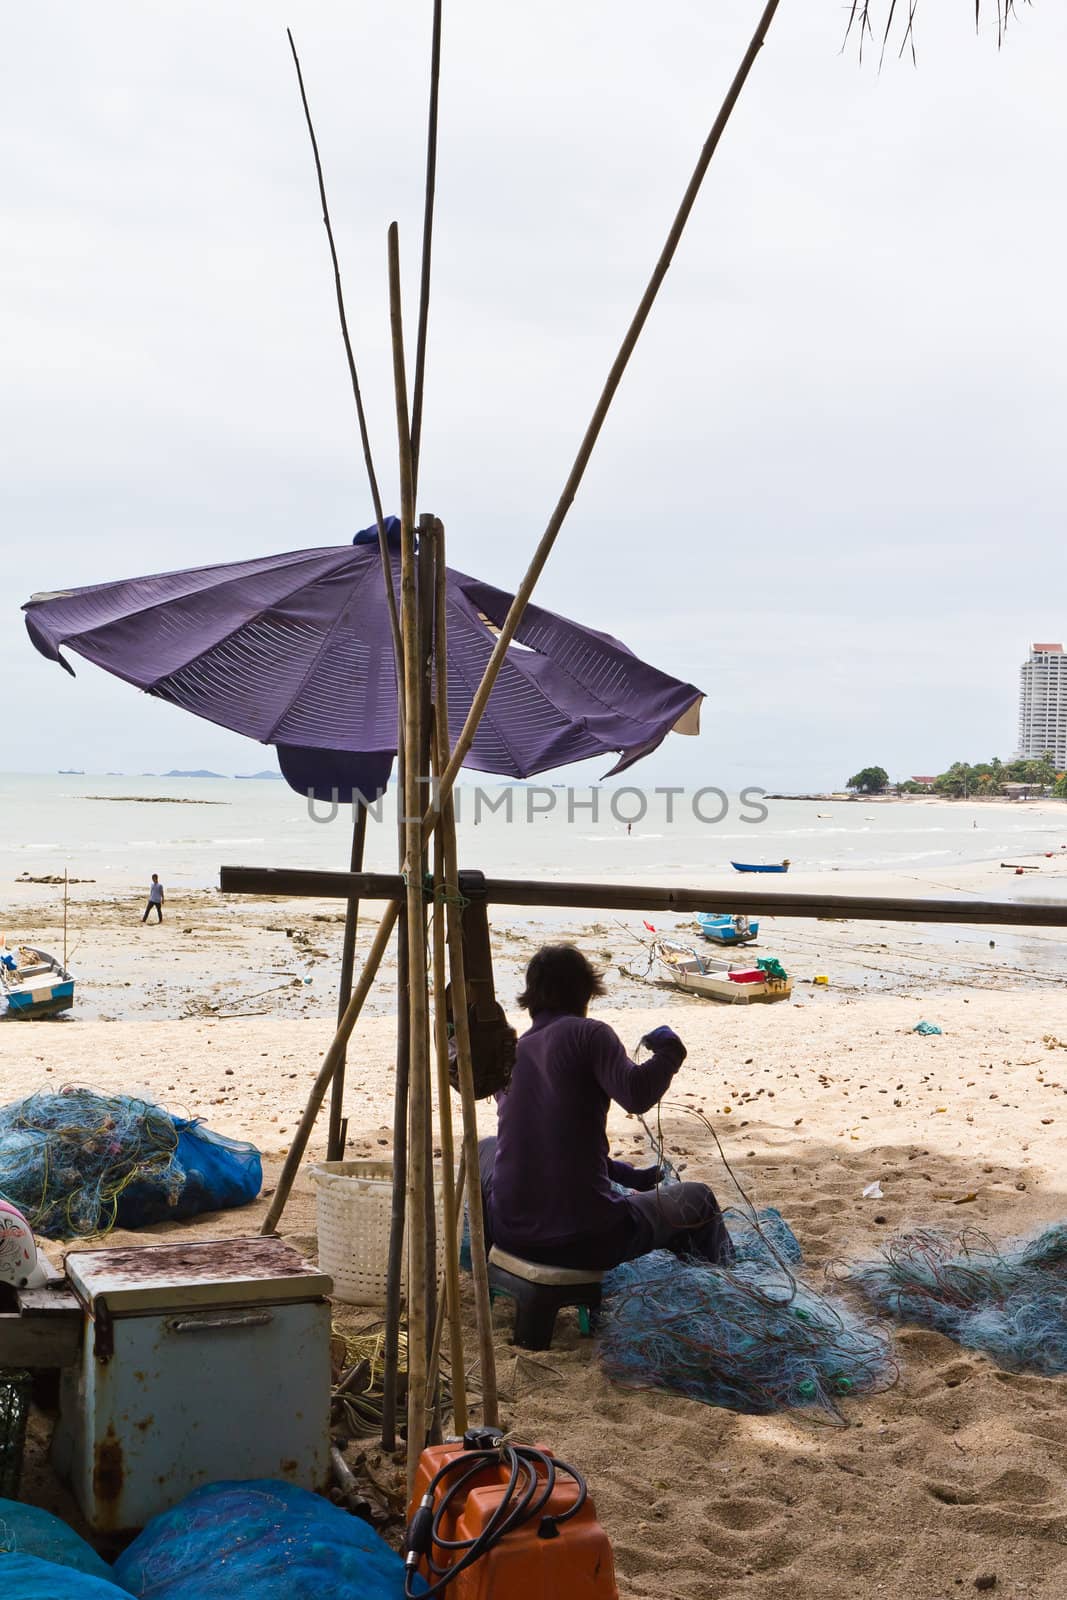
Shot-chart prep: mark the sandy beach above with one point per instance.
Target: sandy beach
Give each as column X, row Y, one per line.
column 956, row 1473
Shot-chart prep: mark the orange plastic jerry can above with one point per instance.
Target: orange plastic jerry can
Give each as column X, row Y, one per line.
column 534, row 1561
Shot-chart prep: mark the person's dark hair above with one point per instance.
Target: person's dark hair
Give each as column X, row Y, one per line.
column 559, row 978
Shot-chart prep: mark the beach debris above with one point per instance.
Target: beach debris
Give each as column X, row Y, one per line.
column 1004, row 1299
column 926, row 1028
column 1050, row 1041
column 873, row 1191
column 822, row 980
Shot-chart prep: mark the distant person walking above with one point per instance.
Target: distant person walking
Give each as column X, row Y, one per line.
column 155, row 898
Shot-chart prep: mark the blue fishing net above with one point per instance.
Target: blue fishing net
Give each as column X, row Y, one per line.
column 750, row 1337
column 231, row 1541
column 218, row 1174
column 29, row 1531
column 30, row 1578
column 1007, row 1299
column 79, row 1162
column 767, row 1237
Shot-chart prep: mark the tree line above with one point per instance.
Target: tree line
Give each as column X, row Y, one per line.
column 964, row 780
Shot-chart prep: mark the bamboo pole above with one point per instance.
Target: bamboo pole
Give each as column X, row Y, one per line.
column 427, row 247
column 394, row 1268
column 465, row 1073
column 581, row 461
column 450, row 1202
column 426, row 565
column 447, row 1306
column 335, row 1145
column 329, row 1066
column 418, row 1108
column 372, row 478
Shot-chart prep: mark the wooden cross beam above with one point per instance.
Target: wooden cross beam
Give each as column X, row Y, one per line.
column 295, row 883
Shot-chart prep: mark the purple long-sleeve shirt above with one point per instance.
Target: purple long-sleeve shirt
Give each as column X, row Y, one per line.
column 551, row 1183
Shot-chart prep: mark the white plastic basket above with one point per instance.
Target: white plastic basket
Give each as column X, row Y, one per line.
column 353, row 1203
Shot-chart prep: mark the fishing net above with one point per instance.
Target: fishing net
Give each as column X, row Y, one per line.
column 750, row 1337
column 30, row 1578
column 29, row 1531
column 79, row 1162
column 765, row 1237
column 14, row 1414
column 267, row 1539
column 1007, row 1300
column 358, row 1362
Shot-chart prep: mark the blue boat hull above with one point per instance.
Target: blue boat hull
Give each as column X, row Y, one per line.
column 721, row 930
column 747, row 866
column 48, row 1002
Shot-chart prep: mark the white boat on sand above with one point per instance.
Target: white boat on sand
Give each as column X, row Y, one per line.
column 736, row 982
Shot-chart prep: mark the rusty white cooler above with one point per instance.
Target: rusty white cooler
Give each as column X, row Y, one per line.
column 199, row 1362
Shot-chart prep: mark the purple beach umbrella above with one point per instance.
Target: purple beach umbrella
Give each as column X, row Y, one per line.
column 295, row 650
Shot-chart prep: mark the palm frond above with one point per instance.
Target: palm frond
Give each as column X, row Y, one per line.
column 865, row 23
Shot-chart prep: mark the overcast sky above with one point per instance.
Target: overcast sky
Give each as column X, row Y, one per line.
column 831, row 492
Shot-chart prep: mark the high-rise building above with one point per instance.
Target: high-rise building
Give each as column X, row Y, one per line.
column 1043, row 704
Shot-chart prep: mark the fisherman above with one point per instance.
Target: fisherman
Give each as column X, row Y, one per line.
column 547, row 1177
column 155, row 898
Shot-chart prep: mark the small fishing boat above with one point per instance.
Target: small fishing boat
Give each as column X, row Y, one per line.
column 722, row 928
column 714, row 977
column 753, row 866
column 33, row 983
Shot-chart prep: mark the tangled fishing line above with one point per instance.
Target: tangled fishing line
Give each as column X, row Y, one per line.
column 67, row 1159
column 1008, row 1300
column 750, row 1335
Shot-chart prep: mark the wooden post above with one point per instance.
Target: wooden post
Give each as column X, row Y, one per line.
column 647, row 897
column 329, row 1066
column 418, row 1107
column 335, row 1147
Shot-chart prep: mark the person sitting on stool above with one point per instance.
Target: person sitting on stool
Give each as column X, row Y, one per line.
column 547, row 1176
column 155, row 898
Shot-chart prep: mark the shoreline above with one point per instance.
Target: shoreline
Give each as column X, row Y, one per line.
column 235, row 956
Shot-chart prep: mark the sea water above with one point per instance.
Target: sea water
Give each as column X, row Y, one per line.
column 117, row 830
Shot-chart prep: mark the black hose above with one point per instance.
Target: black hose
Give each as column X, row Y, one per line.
column 532, row 1478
